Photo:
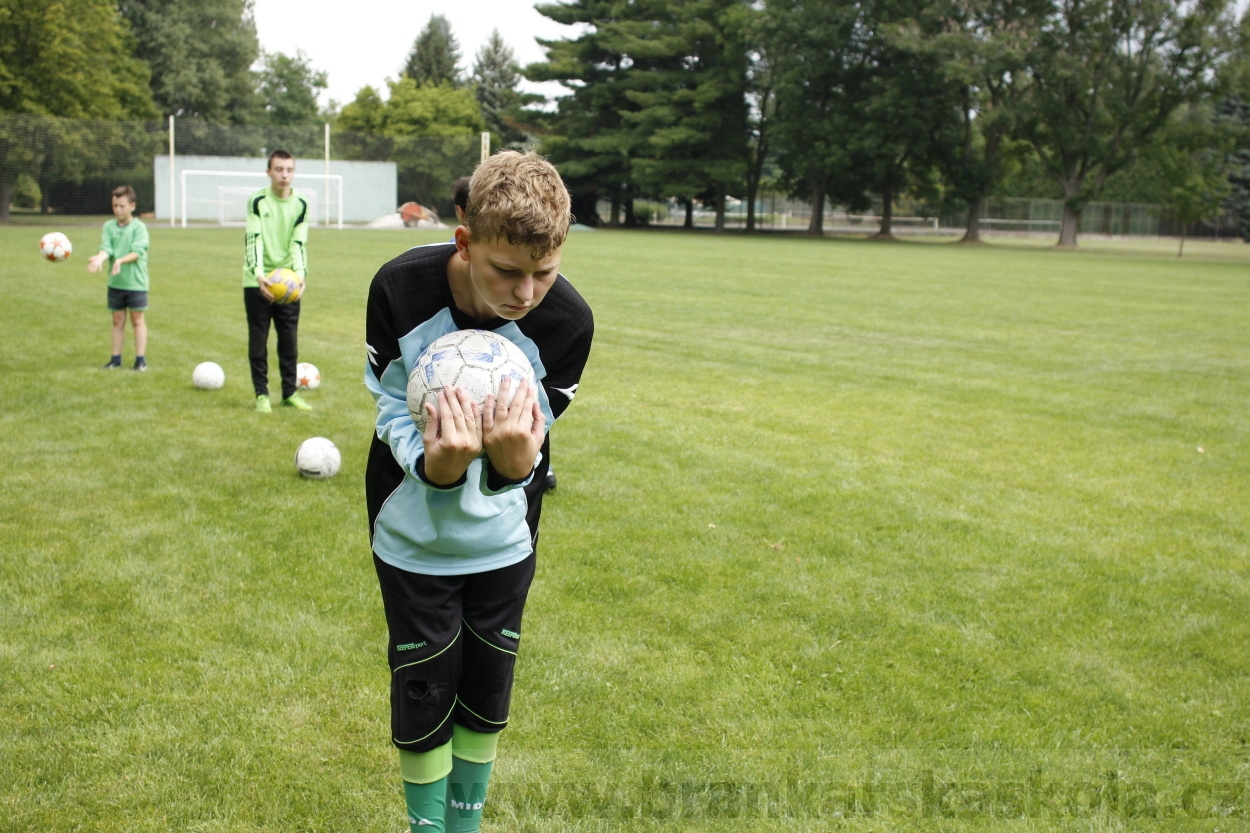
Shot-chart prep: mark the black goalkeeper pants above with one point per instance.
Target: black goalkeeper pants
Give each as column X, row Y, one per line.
column 452, row 652
column 285, row 318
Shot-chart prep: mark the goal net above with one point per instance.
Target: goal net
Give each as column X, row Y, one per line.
column 221, row 196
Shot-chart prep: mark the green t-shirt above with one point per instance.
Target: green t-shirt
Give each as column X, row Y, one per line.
column 118, row 241
column 277, row 235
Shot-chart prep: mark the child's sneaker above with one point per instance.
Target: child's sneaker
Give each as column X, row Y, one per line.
column 112, row 365
column 140, row 365
column 262, row 404
column 297, row 402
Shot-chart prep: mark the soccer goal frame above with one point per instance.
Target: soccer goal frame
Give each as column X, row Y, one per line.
column 336, row 178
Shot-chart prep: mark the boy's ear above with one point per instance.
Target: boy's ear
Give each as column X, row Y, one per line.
column 462, row 242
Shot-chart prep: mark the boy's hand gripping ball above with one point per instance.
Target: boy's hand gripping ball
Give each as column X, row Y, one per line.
column 284, row 285
column 475, row 360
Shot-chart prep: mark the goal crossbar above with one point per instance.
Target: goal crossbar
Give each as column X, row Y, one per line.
column 336, row 178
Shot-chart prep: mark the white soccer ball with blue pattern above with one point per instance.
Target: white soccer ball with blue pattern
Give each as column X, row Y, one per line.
column 317, row 458
column 475, row 360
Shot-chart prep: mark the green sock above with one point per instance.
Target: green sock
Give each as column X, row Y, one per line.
column 425, row 788
column 472, row 758
column 427, row 806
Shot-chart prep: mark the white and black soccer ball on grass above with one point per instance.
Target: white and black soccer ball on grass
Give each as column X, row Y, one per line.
column 474, row 360
column 317, row 458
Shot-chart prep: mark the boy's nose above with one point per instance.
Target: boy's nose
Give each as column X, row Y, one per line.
column 525, row 290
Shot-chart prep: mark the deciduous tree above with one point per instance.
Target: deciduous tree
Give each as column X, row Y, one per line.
column 288, row 87
column 1102, row 77
column 201, row 53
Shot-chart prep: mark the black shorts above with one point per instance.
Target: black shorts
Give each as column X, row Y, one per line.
column 452, row 651
column 135, row 300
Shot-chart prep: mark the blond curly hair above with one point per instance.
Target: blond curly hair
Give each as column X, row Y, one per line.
column 519, row 197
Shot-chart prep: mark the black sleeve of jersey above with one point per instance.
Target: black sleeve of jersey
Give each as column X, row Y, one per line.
column 571, row 327
column 380, row 338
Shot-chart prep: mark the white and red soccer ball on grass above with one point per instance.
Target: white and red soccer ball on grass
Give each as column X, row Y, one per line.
column 55, row 246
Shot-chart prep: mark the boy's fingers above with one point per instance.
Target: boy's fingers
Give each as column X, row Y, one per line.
column 431, row 420
column 539, row 426
column 488, row 412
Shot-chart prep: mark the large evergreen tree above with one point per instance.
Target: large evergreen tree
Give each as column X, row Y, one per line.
column 589, row 139
column 435, row 55
column 201, row 53
column 496, row 76
column 689, row 91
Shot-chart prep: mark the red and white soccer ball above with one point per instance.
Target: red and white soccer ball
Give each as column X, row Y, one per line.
column 307, row 376
column 55, row 246
column 317, row 458
column 475, row 360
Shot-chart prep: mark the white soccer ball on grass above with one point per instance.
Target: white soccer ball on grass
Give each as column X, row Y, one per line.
column 55, row 246
column 208, row 376
column 317, row 458
column 474, row 360
column 307, row 376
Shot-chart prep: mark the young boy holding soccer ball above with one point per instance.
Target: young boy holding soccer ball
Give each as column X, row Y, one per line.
column 124, row 246
column 454, row 529
column 276, row 238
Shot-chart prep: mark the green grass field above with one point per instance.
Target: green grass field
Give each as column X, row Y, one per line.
column 848, row 536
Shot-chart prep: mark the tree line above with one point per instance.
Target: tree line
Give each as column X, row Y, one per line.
column 860, row 102
column 79, row 77
column 856, row 103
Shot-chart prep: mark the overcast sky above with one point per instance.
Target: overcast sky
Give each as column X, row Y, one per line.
column 368, row 41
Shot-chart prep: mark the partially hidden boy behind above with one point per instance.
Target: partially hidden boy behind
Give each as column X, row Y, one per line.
column 277, row 237
column 454, row 533
column 124, row 245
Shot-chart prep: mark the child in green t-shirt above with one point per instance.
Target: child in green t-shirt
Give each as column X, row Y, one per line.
column 124, row 244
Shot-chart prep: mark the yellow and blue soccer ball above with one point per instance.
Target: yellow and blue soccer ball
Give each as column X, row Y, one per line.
column 285, row 285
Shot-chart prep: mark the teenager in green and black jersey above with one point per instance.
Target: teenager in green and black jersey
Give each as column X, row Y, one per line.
column 277, row 237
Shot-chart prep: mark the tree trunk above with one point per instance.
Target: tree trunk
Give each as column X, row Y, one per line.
column 6, row 196
column 1181, row 251
column 1072, row 210
column 887, row 210
column 689, row 213
column 615, row 221
column 817, row 224
column 720, row 208
column 973, row 232
column 630, row 219
column 753, row 183
column 1070, row 226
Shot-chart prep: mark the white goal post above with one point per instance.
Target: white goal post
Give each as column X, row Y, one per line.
column 222, row 193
